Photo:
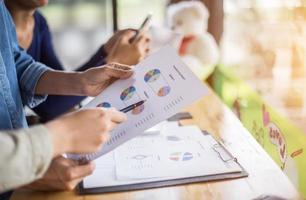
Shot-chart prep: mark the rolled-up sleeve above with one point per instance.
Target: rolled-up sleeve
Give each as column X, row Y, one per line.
column 25, row 155
column 29, row 72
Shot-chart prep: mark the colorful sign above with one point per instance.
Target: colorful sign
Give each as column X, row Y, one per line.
column 282, row 140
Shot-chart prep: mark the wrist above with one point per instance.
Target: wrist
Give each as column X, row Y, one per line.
column 104, row 50
column 61, row 144
column 110, row 59
column 116, row 59
column 80, row 83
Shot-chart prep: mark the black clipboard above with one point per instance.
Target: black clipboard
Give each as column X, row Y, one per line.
column 224, row 154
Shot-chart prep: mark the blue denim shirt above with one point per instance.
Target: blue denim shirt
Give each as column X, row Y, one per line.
column 19, row 74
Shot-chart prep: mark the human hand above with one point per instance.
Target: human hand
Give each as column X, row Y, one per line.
column 88, row 83
column 95, row 80
column 108, row 46
column 83, row 131
column 125, row 52
column 63, row 174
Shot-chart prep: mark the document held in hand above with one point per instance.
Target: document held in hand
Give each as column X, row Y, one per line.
column 165, row 83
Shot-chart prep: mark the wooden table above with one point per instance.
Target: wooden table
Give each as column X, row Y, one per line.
column 211, row 115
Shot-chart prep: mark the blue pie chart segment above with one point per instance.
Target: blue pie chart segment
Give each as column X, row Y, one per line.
column 105, row 105
column 128, row 93
column 187, row 156
column 152, row 75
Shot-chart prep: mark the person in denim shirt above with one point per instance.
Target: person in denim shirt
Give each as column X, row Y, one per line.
column 19, row 74
column 26, row 82
column 35, row 38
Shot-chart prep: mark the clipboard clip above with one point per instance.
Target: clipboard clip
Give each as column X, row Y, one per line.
column 223, row 153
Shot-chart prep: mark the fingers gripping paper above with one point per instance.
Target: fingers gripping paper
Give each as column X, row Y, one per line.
column 163, row 81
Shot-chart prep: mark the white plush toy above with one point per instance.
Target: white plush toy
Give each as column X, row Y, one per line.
column 198, row 48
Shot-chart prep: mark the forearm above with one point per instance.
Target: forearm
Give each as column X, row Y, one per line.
column 89, row 83
column 60, row 83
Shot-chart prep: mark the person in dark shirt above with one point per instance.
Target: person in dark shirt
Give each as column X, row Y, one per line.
column 34, row 36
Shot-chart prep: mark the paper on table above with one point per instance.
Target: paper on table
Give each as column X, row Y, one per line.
column 174, row 153
column 181, row 152
column 161, row 126
column 166, row 84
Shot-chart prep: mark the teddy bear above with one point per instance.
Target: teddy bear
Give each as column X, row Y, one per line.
column 198, row 48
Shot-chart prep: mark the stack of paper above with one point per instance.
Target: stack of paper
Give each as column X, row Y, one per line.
column 168, row 152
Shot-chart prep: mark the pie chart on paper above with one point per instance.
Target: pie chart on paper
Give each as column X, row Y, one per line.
column 152, row 75
column 128, row 93
column 179, row 156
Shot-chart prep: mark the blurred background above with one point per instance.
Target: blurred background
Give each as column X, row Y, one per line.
column 79, row 27
column 263, row 41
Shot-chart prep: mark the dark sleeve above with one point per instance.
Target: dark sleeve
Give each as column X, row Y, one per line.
column 54, row 105
column 48, row 55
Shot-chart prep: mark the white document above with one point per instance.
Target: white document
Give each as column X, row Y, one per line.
column 172, row 154
column 166, row 84
column 176, row 153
